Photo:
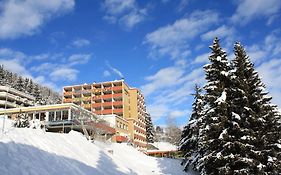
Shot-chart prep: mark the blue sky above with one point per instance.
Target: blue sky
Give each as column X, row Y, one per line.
column 158, row 46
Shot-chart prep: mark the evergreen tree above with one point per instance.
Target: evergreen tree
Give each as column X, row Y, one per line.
column 190, row 134
column 149, row 129
column 9, row 78
column 259, row 119
column 217, row 126
column 30, row 87
column 2, row 76
column 26, row 82
column 37, row 95
column 20, row 84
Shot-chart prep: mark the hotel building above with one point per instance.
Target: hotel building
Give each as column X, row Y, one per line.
column 113, row 98
column 12, row 98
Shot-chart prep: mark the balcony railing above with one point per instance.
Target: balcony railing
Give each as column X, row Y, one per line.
column 67, row 100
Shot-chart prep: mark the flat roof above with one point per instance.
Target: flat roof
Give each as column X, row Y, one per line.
column 41, row 108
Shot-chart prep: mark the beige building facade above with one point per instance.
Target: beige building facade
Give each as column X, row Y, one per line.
column 113, row 98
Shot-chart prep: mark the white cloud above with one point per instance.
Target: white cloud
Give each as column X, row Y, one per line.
column 221, row 32
column 6, row 53
column 106, row 73
column 248, row 10
column 14, row 65
column 177, row 113
column 78, row 59
column 19, row 18
column 203, row 58
column 133, row 18
column 270, row 72
column 125, row 12
column 64, row 73
column 164, row 78
column 114, row 70
column 173, row 39
column 80, row 43
column 182, row 5
column 168, row 88
column 270, row 47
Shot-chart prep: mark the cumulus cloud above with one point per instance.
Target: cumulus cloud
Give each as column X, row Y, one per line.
column 80, row 43
column 18, row 18
column 164, row 78
column 221, row 32
column 125, row 12
column 172, row 40
column 182, row 5
column 78, row 59
column 248, row 10
column 64, row 73
column 270, row 72
column 168, row 88
column 14, row 65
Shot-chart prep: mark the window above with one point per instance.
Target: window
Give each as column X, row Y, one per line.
column 51, row 116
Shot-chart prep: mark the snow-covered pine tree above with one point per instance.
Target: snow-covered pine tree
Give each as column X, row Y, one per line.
column 190, row 134
column 20, row 84
column 9, row 78
column 26, row 81
column 30, row 87
column 149, row 129
column 260, row 130
column 37, row 95
column 2, row 76
column 217, row 125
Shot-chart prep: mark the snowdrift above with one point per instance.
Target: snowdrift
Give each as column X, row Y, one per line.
column 33, row 151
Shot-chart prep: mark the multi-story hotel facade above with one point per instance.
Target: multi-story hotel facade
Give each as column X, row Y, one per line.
column 12, row 98
column 113, row 98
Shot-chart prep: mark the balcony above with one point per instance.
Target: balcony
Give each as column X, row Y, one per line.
column 98, row 90
column 118, row 111
column 97, row 112
column 119, row 95
column 107, row 104
column 68, row 100
column 86, row 98
column 86, row 91
column 76, row 100
column 118, row 103
column 96, row 105
column 67, row 93
column 117, row 88
column 97, row 97
column 107, row 96
column 86, row 106
column 107, row 111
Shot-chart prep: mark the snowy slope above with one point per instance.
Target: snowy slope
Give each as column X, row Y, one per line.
column 29, row 151
column 165, row 146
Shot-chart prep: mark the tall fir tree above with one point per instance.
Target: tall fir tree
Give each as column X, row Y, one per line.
column 217, row 125
column 20, row 84
column 37, row 95
column 190, row 134
column 149, row 129
column 260, row 119
column 2, row 76
column 30, row 87
column 26, row 82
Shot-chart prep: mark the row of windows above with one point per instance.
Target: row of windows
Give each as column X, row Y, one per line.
column 121, row 125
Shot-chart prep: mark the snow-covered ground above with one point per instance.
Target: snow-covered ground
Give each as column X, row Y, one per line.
column 165, row 146
column 33, row 152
